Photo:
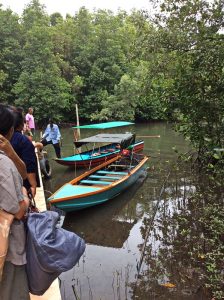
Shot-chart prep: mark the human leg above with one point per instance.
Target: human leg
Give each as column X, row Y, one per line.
column 57, row 150
column 32, row 131
column 45, row 142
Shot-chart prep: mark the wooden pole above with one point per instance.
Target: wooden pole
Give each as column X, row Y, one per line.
column 77, row 120
column 77, row 134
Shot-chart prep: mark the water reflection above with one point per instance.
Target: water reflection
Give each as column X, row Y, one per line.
column 168, row 270
column 109, row 224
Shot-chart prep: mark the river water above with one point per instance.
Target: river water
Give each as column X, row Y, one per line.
column 116, row 232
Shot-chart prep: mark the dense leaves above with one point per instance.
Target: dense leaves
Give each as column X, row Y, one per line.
column 120, row 66
column 190, row 37
column 10, row 53
column 91, row 59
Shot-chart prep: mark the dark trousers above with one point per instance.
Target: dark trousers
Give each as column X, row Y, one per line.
column 57, row 148
column 14, row 284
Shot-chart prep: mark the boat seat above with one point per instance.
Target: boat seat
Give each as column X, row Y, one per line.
column 95, row 182
column 105, row 177
column 121, row 166
column 112, row 172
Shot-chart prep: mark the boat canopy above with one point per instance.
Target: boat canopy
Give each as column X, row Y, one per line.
column 104, row 125
column 124, row 139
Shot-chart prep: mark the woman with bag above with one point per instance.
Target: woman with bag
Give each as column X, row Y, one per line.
column 13, row 201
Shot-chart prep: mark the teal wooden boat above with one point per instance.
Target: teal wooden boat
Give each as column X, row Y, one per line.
column 100, row 184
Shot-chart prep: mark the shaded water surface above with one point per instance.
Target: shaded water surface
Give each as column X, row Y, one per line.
column 136, row 224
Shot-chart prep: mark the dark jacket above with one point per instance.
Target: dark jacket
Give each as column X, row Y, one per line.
column 26, row 151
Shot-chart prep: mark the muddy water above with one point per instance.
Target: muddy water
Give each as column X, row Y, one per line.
column 130, row 252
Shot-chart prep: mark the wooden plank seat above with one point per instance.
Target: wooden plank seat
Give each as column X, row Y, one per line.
column 105, row 177
column 95, row 182
column 122, row 166
column 112, row 172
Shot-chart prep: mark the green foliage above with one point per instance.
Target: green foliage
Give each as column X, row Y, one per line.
column 10, row 53
column 190, row 34
column 91, row 59
column 153, row 87
column 34, row 15
column 121, row 105
column 120, row 66
column 55, row 18
column 40, row 84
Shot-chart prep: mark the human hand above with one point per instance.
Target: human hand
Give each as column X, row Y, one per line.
column 25, row 197
column 6, row 146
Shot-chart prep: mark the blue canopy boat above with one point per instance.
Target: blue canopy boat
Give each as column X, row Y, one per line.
column 111, row 145
column 100, row 184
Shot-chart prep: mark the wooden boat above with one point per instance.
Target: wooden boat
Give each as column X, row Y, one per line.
column 111, row 146
column 100, row 184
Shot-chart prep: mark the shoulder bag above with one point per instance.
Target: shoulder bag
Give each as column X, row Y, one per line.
column 50, row 250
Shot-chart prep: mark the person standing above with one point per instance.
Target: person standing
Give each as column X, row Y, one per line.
column 52, row 136
column 5, row 144
column 14, row 200
column 30, row 121
column 26, row 151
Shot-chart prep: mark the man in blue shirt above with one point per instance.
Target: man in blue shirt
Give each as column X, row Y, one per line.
column 52, row 136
